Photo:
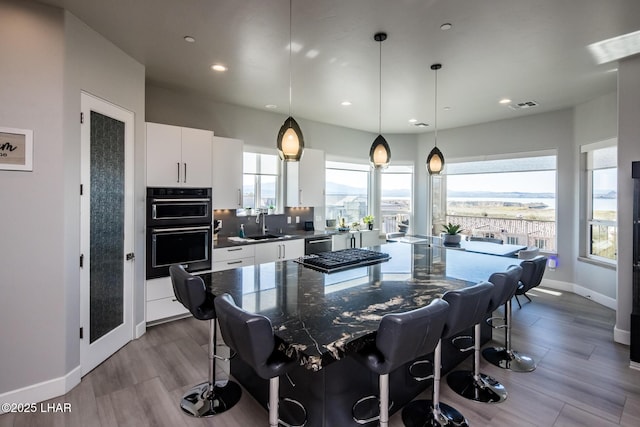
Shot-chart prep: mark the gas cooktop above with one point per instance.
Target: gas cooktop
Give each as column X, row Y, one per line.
column 329, row 262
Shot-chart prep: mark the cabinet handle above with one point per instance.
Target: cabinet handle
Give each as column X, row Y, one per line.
column 300, row 197
column 239, row 197
column 234, row 262
column 284, row 251
column 233, row 250
column 185, row 173
column 178, row 181
column 279, row 251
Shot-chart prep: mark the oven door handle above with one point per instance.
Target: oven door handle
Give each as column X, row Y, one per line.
column 203, row 200
column 168, row 230
column 313, row 242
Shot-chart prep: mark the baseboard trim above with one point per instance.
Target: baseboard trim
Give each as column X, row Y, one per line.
column 44, row 390
column 582, row 291
column 635, row 365
column 621, row 336
column 141, row 329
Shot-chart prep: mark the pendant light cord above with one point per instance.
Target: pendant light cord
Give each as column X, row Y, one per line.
column 380, row 90
column 435, row 136
column 290, row 49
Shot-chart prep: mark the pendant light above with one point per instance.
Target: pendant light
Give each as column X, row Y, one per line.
column 435, row 159
column 380, row 153
column 290, row 139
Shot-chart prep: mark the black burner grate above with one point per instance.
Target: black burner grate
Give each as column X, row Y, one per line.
column 329, row 262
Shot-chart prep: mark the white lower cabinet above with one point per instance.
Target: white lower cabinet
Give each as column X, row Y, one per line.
column 279, row 251
column 161, row 301
column 233, row 257
column 355, row 239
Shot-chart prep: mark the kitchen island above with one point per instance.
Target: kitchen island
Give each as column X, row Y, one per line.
column 324, row 318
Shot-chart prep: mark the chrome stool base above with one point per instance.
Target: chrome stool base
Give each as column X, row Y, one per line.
column 419, row 413
column 291, row 409
column 199, row 401
column 510, row 360
column 486, row 389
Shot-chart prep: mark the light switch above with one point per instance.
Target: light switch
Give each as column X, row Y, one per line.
column 297, row 220
column 288, row 220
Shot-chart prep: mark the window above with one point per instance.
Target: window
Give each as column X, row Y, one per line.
column 601, row 200
column 510, row 198
column 261, row 180
column 396, row 183
column 347, row 191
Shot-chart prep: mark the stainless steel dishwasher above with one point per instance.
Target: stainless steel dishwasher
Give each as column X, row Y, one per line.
column 317, row 244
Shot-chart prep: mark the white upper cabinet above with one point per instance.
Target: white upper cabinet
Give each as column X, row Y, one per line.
column 178, row 157
column 306, row 179
column 227, row 173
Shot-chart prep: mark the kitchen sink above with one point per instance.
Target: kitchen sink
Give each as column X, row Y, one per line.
column 264, row 236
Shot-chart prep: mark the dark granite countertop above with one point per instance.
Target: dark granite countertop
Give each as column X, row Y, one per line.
column 321, row 317
column 225, row 242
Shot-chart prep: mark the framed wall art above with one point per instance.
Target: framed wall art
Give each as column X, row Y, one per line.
column 16, row 149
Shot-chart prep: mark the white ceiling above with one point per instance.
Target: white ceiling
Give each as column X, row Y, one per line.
column 525, row 50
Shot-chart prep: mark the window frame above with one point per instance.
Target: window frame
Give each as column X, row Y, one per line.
column 391, row 170
column 355, row 166
column 257, row 175
column 587, row 151
column 534, row 240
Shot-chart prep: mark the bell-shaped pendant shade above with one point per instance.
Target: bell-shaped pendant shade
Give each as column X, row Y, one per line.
column 290, row 141
column 435, row 161
column 380, row 153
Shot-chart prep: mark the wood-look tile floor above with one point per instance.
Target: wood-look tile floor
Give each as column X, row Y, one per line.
column 582, row 379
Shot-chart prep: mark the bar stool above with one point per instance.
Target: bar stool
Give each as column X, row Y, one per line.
column 465, row 306
column 505, row 357
column 532, row 272
column 251, row 336
column 473, row 384
column 400, row 339
column 210, row 398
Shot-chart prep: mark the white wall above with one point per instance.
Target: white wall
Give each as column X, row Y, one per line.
column 260, row 128
column 32, row 307
column 48, row 56
column 628, row 151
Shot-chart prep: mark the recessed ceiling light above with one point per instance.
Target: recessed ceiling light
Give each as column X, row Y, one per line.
column 189, row 39
column 413, row 120
column 271, row 106
column 218, row 67
column 446, row 26
column 505, row 101
column 345, row 103
column 447, row 108
column 421, row 125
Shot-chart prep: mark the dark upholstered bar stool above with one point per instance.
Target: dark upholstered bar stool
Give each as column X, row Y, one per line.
column 251, row 336
column 210, row 398
column 400, row 339
column 473, row 384
column 532, row 272
column 465, row 306
column 505, row 357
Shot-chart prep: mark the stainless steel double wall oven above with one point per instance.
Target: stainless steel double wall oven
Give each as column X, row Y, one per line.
column 178, row 229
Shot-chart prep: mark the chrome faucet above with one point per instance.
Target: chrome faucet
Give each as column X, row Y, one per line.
column 264, row 221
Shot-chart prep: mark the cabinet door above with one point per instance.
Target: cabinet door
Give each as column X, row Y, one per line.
column 340, row 241
column 268, row 252
column 370, row 238
column 292, row 249
column 196, row 157
column 164, row 163
column 227, row 173
column 306, row 179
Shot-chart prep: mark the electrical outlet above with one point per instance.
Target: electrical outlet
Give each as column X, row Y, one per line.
column 297, row 220
column 288, row 220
